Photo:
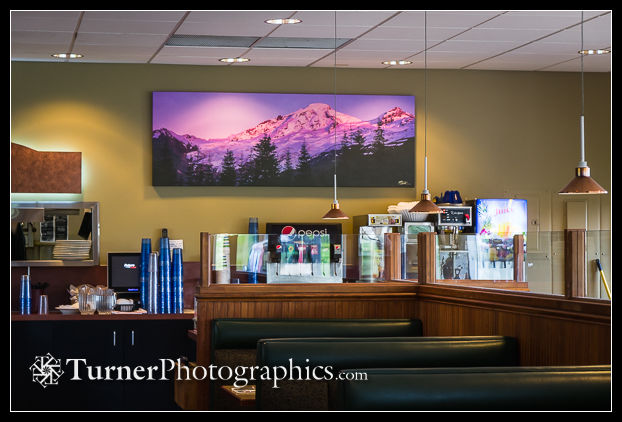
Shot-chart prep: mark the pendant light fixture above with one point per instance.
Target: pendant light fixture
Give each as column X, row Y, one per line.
column 425, row 204
column 335, row 213
column 582, row 183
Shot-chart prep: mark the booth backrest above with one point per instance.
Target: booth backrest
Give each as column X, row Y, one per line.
column 244, row 333
column 476, row 389
column 234, row 340
column 334, row 354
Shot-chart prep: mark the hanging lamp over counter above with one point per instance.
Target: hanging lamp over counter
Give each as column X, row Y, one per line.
column 582, row 183
column 335, row 213
column 425, row 204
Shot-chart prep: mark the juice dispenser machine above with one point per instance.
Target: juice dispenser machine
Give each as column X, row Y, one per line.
column 497, row 220
column 371, row 229
column 304, row 253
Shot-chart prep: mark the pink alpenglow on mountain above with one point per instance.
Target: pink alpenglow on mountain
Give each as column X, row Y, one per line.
column 313, row 125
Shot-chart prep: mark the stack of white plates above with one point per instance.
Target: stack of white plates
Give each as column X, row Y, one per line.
column 73, row 250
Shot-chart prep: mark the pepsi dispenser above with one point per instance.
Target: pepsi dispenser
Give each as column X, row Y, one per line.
column 304, row 253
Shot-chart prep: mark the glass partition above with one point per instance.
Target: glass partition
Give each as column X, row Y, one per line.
column 533, row 262
column 467, row 259
column 304, row 258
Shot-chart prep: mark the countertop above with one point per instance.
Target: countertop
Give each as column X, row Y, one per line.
column 57, row 316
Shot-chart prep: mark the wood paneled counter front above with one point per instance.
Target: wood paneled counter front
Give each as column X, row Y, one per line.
column 551, row 330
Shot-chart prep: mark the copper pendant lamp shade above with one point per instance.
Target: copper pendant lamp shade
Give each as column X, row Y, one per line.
column 426, row 205
column 335, row 213
column 583, row 183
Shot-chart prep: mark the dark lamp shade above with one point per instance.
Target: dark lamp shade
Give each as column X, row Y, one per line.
column 335, row 213
column 582, row 183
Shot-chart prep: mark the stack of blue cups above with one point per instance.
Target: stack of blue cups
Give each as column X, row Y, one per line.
column 177, row 276
column 165, row 276
column 24, row 295
column 145, row 250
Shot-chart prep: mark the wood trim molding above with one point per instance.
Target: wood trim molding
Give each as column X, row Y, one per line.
column 587, row 310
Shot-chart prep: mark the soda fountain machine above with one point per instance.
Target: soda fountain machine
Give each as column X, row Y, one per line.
column 304, row 253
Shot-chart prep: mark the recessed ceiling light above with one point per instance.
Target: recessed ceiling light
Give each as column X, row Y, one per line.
column 234, row 60
column 67, row 55
column 396, row 62
column 586, row 52
column 280, row 21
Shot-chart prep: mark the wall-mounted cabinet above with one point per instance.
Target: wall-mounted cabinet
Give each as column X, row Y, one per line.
column 54, row 233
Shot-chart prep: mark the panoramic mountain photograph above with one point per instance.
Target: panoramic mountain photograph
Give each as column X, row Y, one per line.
column 262, row 139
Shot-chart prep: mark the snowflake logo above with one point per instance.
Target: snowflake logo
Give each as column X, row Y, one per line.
column 46, row 370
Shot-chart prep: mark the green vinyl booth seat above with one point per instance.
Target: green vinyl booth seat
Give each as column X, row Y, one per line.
column 334, row 354
column 545, row 388
column 234, row 340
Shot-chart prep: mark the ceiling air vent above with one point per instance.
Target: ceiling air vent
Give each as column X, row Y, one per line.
column 255, row 42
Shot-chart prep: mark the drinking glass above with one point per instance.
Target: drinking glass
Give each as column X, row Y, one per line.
column 86, row 301
column 43, row 304
column 106, row 301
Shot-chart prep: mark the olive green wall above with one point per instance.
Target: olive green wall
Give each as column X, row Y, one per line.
column 490, row 134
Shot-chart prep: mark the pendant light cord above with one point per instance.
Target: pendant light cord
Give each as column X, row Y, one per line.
column 582, row 163
column 335, row 104
column 425, row 94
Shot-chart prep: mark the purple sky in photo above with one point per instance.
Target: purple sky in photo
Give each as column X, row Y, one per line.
column 210, row 115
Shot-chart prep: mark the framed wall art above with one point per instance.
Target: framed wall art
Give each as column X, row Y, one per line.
column 263, row 139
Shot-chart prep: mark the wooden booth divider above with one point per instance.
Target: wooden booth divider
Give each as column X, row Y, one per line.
column 551, row 330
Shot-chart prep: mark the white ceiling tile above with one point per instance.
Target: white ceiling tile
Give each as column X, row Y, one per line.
column 99, row 52
column 515, row 35
column 590, row 64
column 187, row 60
column 135, row 15
column 214, row 52
column 229, row 23
column 44, row 21
column 488, row 47
column 134, row 40
column 396, row 45
column 20, row 50
column 40, row 37
column 540, row 20
column 275, row 54
column 486, row 39
column 459, row 19
column 122, row 26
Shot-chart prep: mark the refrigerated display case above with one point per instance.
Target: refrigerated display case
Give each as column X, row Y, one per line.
column 497, row 220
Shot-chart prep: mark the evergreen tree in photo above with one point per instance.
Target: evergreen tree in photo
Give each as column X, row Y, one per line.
column 265, row 164
column 288, row 170
column 378, row 147
column 244, row 170
column 228, row 174
column 304, row 165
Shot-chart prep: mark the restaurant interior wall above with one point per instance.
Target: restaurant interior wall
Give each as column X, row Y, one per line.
column 490, row 134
